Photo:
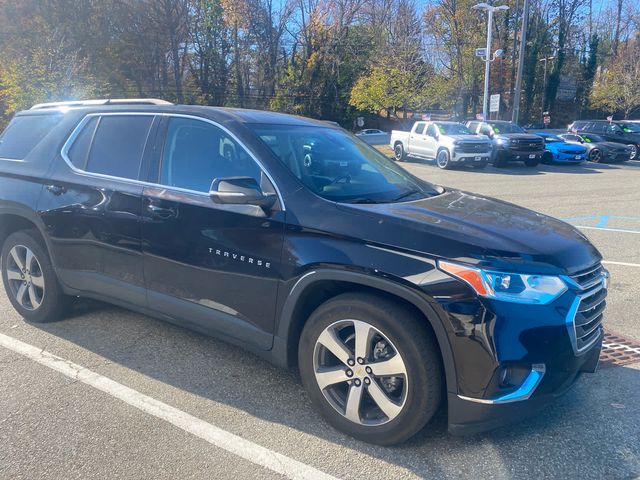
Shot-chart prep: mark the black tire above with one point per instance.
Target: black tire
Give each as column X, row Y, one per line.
column 532, row 163
column 53, row 301
column 443, row 159
column 634, row 151
column 595, row 156
column 499, row 160
column 411, row 338
column 547, row 157
column 399, row 153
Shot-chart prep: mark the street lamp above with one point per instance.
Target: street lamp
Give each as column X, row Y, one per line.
column 490, row 9
column 544, row 84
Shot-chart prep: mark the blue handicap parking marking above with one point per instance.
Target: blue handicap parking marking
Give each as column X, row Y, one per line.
column 621, row 223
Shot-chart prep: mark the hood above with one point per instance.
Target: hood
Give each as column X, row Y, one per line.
column 568, row 147
column 479, row 230
column 469, row 138
column 518, row 136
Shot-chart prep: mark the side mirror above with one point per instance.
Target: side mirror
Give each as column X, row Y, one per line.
column 240, row 191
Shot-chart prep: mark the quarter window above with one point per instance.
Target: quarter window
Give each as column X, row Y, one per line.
column 24, row 133
column 79, row 151
column 118, row 145
column 196, row 153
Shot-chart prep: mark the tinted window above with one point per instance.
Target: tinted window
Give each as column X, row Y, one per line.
column 420, row 128
column 196, row 153
column 118, row 145
column 453, row 129
column 340, row 167
column 24, row 133
column 79, row 151
column 431, row 130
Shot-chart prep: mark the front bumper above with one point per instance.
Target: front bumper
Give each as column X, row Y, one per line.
column 470, row 158
column 520, row 156
column 569, row 157
column 469, row 416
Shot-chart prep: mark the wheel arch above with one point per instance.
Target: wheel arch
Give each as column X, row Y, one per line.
column 15, row 219
column 318, row 286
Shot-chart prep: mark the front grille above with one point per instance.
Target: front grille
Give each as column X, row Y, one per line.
column 526, row 145
column 588, row 278
column 470, row 147
column 588, row 317
column 586, row 314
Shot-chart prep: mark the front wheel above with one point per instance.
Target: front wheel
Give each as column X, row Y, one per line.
column 595, row 156
column 443, row 159
column 371, row 368
column 29, row 279
column 547, row 157
column 533, row 162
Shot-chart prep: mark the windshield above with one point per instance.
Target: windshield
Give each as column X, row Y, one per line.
column 630, row 127
column 591, row 138
column 453, row 129
column 553, row 139
column 506, row 128
column 339, row 167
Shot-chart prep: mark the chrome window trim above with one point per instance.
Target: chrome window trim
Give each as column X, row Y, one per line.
column 64, row 152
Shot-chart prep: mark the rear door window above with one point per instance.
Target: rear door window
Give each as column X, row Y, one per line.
column 118, row 145
column 24, row 133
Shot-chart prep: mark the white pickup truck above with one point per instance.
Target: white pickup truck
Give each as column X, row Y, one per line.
column 449, row 143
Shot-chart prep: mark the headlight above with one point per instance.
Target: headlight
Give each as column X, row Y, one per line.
column 508, row 287
column 502, row 141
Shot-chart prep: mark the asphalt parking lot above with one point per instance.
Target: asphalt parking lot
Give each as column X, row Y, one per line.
column 217, row 399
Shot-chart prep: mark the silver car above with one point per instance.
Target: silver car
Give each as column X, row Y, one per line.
column 373, row 136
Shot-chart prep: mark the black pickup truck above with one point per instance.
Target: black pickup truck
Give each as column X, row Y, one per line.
column 303, row 244
column 510, row 142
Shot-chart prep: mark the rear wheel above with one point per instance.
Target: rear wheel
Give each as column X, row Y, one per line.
column 29, row 279
column 443, row 159
column 399, row 153
column 371, row 367
column 634, row 152
column 595, row 155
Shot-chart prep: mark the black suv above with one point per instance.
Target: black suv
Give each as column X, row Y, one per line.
column 618, row 132
column 389, row 294
column 511, row 143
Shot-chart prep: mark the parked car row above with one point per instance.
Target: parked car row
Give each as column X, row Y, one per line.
column 479, row 143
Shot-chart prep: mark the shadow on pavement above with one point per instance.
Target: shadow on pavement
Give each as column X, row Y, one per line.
column 592, row 432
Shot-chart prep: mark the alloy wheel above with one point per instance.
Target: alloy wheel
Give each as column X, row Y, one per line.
column 24, row 274
column 360, row 372
column 399, row 153
column 443, row 159
column 596, row 155
column 634, row 152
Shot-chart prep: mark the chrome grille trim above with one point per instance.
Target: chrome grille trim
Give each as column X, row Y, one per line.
column 582, row 333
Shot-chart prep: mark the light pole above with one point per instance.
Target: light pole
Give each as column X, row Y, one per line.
column 490, row 9
column 515, row 113
column 544, row 84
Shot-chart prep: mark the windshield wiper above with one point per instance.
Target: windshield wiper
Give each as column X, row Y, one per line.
column 363, row 200
column 405, row 195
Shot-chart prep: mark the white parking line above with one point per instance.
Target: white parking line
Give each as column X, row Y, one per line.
column 607, row 229
column 626, row 264
column 214, row 435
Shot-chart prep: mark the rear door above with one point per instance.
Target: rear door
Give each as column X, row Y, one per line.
column 93, row 203
column 210, row 266
column 417, row 139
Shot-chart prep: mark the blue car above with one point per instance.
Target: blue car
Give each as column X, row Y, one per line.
column 558, row 150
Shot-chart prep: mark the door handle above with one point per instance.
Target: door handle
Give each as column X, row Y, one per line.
column 160, row 212
column 57, row 190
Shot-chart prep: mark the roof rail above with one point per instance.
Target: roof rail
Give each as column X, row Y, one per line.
column 105, row 101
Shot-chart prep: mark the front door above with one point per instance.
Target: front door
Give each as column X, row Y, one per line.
column 210, row 266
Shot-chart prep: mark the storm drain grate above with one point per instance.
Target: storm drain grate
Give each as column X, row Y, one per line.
column 618, row 350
